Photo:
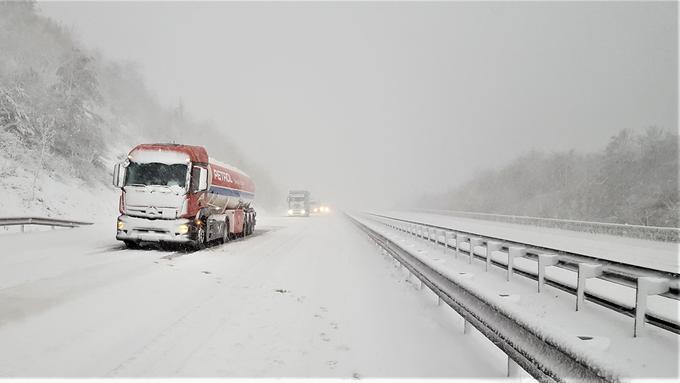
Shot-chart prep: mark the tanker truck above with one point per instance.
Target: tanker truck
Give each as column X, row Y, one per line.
column 174, row 193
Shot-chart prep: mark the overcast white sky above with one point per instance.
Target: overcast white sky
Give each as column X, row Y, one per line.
column 382, row 101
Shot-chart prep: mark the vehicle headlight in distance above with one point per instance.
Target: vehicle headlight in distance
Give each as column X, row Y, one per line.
column 290, row 211
column 183, row 229
column 303, row 211
column 120, row 225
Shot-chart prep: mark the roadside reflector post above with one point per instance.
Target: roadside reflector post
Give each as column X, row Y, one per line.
column 585, row 271
column 466, row 326
column 23, row 228
column 513, row 368
column 514, row 252
column 491, row 246
column 474, row 241
column 446, row 240
column 460, row 239
column 545, row 260
column 646, row 286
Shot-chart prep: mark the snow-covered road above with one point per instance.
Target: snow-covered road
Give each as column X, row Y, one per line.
column 301, row 298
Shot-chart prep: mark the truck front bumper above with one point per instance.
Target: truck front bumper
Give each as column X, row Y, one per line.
column 298, row 213
column 154, row 230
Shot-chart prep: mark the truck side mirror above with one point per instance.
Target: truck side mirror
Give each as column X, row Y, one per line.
column 203, row 179
column 118, row 176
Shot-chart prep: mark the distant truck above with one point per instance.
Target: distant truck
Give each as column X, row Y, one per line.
column 174, row 193
column 299, row 203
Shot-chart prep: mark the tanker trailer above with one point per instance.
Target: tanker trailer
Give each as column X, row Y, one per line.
column 174, row 193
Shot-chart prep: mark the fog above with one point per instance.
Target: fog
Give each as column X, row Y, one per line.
column 376, row 104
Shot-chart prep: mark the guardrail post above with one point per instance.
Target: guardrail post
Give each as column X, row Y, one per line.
column 460, row 238
column 514, row 252
column 545, row 260
column 513, row 368
column 585, row 271
column 466, row 326
column 491, row 246
column 475, row 241
column 23, row 229
column 646, row 286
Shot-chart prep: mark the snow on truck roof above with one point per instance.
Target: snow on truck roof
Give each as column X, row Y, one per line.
column 168, row 157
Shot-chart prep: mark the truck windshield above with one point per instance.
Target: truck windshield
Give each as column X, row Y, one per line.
column 155, row 173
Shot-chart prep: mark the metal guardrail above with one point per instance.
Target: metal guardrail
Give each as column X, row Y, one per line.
column 54, row 222
column 544, row 359
column 655, row 233
column 643, row 280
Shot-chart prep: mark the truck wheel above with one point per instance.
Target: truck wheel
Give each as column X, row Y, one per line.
column 201, row 238
column 131, row 244
column 225, row 231
column 251, row 227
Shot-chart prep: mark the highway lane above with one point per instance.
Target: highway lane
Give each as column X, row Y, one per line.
column 303, row 297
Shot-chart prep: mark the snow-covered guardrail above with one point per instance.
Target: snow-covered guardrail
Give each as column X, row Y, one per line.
column 545, row 360
column 53, row 222
column 507, row 255
column 656, row 233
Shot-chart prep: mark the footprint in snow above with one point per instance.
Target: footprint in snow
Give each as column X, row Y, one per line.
column 332, row 363
column 334, row 325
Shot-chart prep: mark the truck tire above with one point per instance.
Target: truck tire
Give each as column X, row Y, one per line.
column 201, row 238
column 226, row 236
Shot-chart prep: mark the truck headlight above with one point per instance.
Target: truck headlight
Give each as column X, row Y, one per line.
column 120, row 225
column 290, row 211
column 303, row 211
column 183, row 229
